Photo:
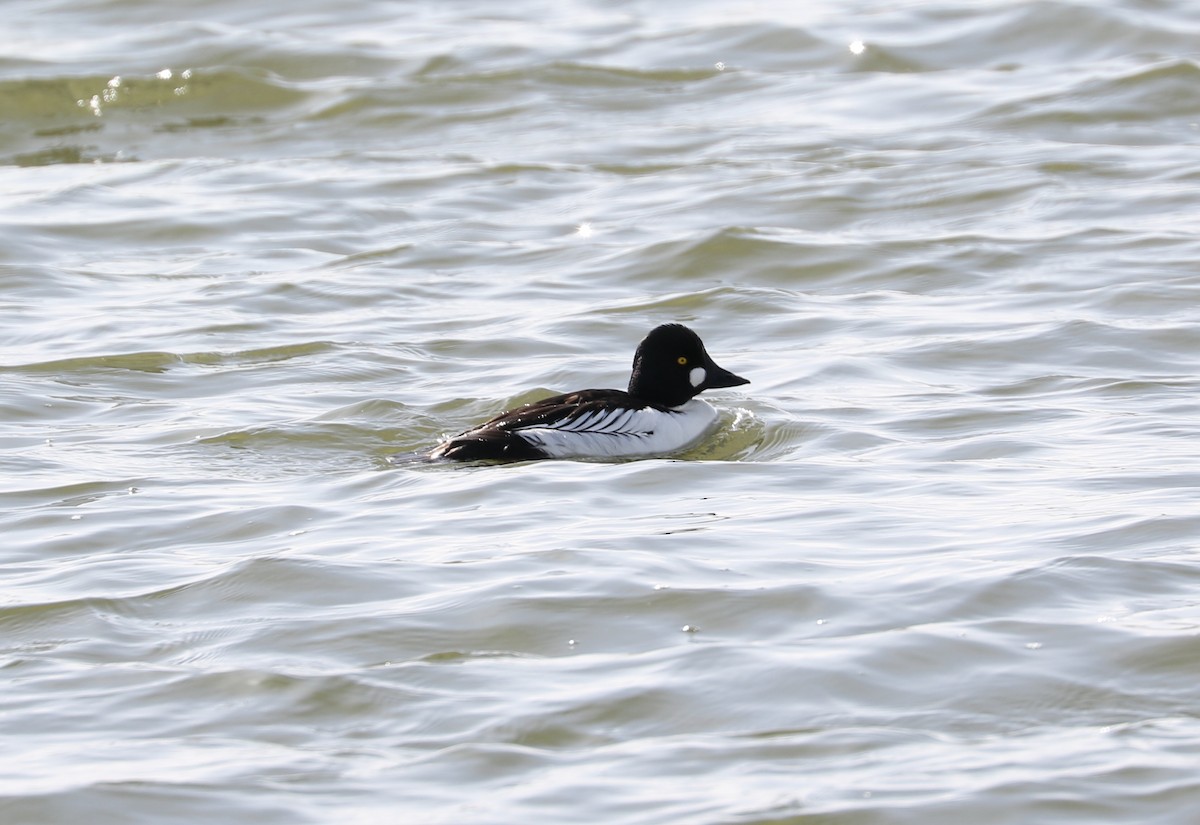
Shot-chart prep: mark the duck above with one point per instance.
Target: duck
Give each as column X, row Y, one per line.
column 659, row 414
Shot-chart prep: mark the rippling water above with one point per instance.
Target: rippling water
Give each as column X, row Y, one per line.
column 939, row 565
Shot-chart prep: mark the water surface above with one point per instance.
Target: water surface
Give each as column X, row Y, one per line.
column 938, row 564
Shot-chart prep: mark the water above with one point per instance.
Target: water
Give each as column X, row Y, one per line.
column 938, row 565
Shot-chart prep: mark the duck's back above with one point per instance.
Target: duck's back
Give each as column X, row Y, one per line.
column 584, row 424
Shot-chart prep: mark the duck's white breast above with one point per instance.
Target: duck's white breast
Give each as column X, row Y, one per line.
column 622, row 433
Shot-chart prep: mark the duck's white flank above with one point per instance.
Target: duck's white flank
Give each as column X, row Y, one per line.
column 621, row 433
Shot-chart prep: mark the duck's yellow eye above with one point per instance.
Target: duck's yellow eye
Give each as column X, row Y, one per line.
column 681, row 360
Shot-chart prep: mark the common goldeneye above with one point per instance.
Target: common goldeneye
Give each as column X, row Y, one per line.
column 659, row 414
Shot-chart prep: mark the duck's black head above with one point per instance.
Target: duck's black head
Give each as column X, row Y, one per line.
column 671, row 367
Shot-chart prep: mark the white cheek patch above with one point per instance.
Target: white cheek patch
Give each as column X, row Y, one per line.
column 697, row 376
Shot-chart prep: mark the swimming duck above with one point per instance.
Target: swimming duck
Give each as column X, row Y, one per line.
column 658, row 414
